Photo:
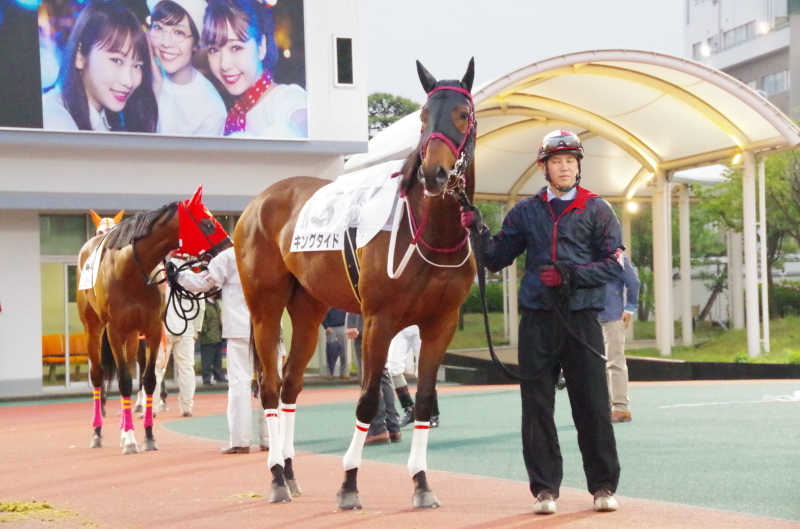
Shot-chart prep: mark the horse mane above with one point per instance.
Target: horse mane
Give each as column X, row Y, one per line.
column 138, row 226
column 409, row 169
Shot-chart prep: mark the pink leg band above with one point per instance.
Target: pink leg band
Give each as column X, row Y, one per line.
column 148, row 411
column 97, row 419
column 127, row 417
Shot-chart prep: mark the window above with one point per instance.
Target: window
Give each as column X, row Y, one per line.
column 697, row 51
column 775, row 83
column 739, row 35
column 63, row 234
column 753, row 85
column 344, row 75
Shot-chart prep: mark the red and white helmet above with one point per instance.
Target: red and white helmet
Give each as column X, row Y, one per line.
column 560, row 142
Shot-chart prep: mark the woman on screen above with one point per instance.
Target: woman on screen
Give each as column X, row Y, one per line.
column 241, row 54
column 104, row 82
column 188, row 104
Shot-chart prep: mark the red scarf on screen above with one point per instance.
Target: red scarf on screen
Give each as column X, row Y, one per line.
column 237, row 115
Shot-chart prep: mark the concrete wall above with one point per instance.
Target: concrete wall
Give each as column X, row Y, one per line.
column 20, row 299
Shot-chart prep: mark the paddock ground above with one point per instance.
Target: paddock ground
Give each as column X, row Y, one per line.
column 697, row 454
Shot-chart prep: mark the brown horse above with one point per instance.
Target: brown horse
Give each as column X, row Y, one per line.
column 427, row 293
column 124, row 302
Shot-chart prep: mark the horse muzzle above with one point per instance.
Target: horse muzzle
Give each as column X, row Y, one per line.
column 434, row 183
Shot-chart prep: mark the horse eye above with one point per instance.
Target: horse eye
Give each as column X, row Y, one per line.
column 207, row 226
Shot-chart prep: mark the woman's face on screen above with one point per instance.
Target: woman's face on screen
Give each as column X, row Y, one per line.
column 110, row 77
column 237, row 64
column 173, row 44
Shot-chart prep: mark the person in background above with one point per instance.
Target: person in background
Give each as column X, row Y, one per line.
column 335, row 342
column 180, row 339
column 353, row 329
column 622, row 300
column 404, row 343
column 210, row 338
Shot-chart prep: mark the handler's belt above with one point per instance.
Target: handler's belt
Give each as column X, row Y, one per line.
column 351, row 261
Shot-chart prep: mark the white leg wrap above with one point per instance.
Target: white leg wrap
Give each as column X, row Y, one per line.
column 418, row 460
column 287, row 428
column 128, row 438
column 275, row 447
column 352, row 458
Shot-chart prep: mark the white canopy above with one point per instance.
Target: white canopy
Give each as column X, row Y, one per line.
column 635, row 111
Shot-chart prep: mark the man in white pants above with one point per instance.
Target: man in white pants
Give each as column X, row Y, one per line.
column 181, row 346
column 222, row 273
column 407, row 341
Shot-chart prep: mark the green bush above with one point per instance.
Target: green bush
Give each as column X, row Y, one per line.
column 494, row 298
column 787, row 298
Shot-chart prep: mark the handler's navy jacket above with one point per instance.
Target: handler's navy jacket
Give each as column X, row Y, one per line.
column 586, row 237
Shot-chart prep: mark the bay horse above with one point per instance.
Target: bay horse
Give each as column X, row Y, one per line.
column 434, row 181
column 125, row 301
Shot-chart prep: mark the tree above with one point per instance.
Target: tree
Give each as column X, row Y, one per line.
column 782, row 181
column 385, row 109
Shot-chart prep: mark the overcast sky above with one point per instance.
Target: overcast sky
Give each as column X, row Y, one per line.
column 504, row 35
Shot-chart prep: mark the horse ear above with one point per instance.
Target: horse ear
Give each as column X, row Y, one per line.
column 118, row 216
column 197, row 198
column 95, row 218
column 428, row 81
column 469, row 76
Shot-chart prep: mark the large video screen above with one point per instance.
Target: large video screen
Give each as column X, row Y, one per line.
column 198, row 68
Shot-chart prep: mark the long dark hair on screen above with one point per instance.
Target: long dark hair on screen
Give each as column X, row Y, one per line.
column 109, row 26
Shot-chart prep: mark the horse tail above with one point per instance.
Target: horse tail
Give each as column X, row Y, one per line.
column 256, row 363
column 107, row 361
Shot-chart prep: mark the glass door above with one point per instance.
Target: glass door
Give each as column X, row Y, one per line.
column 65, row 360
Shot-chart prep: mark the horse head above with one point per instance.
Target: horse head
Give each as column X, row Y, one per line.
column 199, row 233
column 448, row 130
column 104, row 225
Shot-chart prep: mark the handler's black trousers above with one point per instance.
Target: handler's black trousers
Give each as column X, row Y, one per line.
column 540, row 334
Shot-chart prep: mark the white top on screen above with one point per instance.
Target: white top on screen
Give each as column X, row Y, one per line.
column 193, row 109
column 57, row 117
column 271, row 117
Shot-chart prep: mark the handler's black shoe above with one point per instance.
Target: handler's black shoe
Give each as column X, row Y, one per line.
column 561, row 382
column 435, row 421
column 408, row 418
column 545, row 503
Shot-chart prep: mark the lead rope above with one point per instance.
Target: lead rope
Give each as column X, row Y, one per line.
column 477, row 243
column 178, row 294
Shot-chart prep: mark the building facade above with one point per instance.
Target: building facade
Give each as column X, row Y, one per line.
column 754, row 41
column 50, row 180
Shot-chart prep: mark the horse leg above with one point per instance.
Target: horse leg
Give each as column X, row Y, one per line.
column 307, row 314
column 118, row 344
column 96, row 375
column 435, row 339
column 374, row 349
column 141, row 360
column 149, row 384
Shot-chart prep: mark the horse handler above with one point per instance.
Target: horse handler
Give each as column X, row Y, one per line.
column 573, row 244
column 222, row 273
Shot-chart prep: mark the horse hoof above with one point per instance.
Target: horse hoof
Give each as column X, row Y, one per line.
column 97, row 442
column 149, row 444
column 294, row 488
column 138, row 409
column 280, row 494
column 130, row 449
column 425, row 500
column 348, row 501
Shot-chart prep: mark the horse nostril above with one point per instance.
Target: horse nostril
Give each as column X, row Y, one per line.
column 441, row 175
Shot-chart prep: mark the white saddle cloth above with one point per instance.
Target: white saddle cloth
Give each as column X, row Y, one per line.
column 364, row 200
column 90, row 267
